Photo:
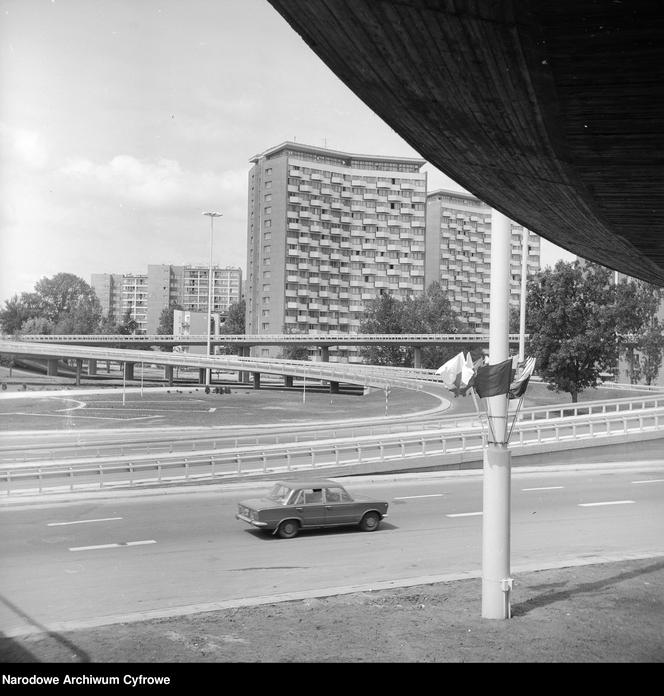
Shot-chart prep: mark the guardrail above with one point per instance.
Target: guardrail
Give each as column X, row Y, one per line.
column 328, row 339
column 347, row 454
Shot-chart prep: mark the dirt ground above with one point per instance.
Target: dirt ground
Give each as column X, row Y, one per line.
column 604, row 613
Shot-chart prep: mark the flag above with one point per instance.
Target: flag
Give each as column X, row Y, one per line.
column 451, row 372
column 493, row 380
column 467, row 375
column 458, row 374
column 518, row 385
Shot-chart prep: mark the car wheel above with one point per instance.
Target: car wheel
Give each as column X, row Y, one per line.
column 370, row 522
column 288, row 529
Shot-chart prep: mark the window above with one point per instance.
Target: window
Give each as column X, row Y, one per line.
column 268, row 171
column 337, row 495
column 268, row 209
column 268, row 197
column 267, row 223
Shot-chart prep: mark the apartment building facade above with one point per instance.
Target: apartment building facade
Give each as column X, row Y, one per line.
column 458, row 255
column 145, row 296
column 327, row 231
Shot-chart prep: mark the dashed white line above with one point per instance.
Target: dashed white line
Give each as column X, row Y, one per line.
column 112, row 546
column 543, row 488
column 463, row 514
column 101, row 519
column 607, row 502
column 413, row 497
column 650, row 481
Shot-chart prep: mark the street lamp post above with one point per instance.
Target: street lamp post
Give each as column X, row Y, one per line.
column 208, row 371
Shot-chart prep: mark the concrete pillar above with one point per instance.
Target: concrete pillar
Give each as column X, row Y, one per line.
column 52, row 367
column 288, row 380
column 417, row 357
column 202, row 374
column 257, row 379
column 496, row 581
column 325, row 353
column 108, row 366
column 79, row 368
column 128, row 370
column 92, row 367
column 168, row 374
column 334, row 387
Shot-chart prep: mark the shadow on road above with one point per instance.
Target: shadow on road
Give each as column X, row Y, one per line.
column 11, row 651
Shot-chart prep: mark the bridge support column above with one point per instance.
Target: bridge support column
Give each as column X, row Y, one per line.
column 79, row 368
column 325, row 353
column 417, row 357
column 257, row 379
column 168, row 374
column 92, row 367
column 334, row 387
column 128, row 370
column 288, row 380
column 52, row 367
column 496, row 580
column 202, row 374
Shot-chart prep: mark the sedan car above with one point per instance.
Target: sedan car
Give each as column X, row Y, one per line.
column 291, row 506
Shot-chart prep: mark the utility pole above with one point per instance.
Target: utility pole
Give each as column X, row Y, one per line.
column 496, row 581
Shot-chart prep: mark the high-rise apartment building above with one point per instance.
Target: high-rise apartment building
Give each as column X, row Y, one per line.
column 144, row 296
column 458, row 255
column 327, row 231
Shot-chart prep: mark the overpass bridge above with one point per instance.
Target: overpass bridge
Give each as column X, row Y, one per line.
column 334, row 373
column 246, row 341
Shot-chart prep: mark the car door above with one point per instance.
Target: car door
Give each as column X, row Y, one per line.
column 310, row 507
column 339, row 506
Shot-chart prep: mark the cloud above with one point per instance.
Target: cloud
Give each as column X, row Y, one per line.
column 24, row 145
column 162, row 184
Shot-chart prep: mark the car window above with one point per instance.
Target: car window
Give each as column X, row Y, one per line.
column 279, row 493
column 313, row 495
column 337, row 495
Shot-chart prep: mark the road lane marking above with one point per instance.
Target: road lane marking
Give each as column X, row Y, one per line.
column 112, row 546
column 608, row 502
column 543, row 488
column 412, row 497
column 650, row 481
column 101, row 519
column 463, row 514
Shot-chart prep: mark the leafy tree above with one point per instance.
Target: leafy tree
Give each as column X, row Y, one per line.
column 68, row 303
column 165, row 327
column 427, row 313
column 636, row 305
column 651, row 347
column 128, row 325
column 571, row 319
column 235, row 322
column 385, row 315
column 17, row 311
column 37, row 325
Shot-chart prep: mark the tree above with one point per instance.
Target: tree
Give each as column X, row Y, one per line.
column 571, row 319
column 17, row 311
column 636, row 304
column 68, row 303
column 235, row 324
column 385, row 315
column 427, row 313
column 651, row 347
column 165, row 327
column 431, row 313
column 235, row 321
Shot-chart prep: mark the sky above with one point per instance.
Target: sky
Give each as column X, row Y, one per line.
column 121, row 121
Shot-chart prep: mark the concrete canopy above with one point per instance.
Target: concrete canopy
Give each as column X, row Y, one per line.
column 550, row 111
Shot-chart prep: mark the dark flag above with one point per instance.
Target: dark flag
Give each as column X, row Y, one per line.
column 518, row 386
column 493, row 380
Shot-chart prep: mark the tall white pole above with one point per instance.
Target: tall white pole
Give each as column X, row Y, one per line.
column 496, row 581
column 524, row 279
column 208, row 371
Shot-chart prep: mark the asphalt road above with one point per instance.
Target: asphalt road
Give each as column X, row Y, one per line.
column 103, row 559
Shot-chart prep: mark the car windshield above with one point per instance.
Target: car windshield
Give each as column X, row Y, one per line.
column 279, row 493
